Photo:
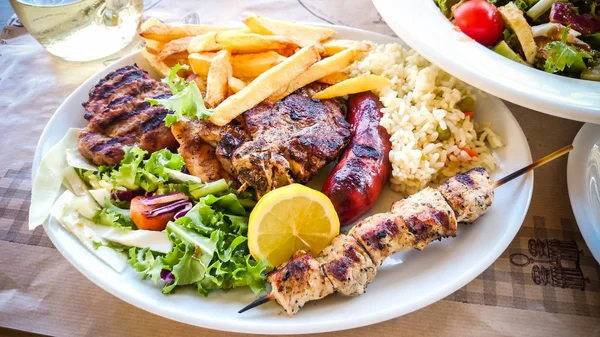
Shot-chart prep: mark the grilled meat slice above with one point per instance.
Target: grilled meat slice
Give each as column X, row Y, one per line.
column 290, row 140
column 298, row 281
column 347, row 265
column 198, row 139
column 413, row 223
column 118, row 115
column 200, row 157
column 469, row 194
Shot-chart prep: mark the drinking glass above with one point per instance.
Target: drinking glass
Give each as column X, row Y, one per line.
column 81, row 30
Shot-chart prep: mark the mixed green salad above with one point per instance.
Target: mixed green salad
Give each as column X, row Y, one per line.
column 557, row 36
column 148, row 212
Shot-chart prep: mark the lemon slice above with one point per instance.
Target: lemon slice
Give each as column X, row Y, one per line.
column 288, row 219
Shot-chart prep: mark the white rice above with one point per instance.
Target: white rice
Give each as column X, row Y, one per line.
column 421, row 98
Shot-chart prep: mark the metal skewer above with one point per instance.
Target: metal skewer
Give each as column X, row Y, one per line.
column 542, row 161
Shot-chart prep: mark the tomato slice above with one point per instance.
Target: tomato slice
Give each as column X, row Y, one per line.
column 157, row 223
column 480, row 20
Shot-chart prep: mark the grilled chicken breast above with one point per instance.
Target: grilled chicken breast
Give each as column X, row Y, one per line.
column 118, row 115
column 205, row 148
column 347, row 265
column 469, row 194
column 299, row 281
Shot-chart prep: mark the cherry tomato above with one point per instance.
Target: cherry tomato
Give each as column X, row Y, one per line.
column 157, row 223
column 480, row 20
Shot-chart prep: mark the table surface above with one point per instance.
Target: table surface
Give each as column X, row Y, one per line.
column 40, row 293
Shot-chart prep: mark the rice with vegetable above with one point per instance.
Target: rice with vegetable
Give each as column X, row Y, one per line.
column 428, row 114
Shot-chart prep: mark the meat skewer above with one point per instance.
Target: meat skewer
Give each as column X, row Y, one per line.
column 349, row 263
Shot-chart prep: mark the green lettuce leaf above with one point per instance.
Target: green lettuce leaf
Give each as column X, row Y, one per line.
column 135, row 172
column 111, row 215
column 145, row 263
column 562, row 56
column 186, row 102
column 210, row 249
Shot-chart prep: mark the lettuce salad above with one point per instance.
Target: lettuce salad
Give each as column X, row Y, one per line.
column 205, row 247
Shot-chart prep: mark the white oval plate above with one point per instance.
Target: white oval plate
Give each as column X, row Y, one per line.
column 583, row 178
column 425, row 29
column 423, row 278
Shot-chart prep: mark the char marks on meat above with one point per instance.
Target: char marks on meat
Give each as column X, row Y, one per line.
column 118, row 115
column 290, row 140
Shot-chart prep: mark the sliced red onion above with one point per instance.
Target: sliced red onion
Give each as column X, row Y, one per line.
column 126, row 195
column 566, row 13
column 167, row 276
column 166, row 209
column 162, row 199
column 183, row 211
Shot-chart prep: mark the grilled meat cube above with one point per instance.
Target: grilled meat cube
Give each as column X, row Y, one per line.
column 198, row 139
column 469, row 194
column 382, row 235
column 347, row 265
column 298, row 281
column 118, row 115
column 290, row 140
column 427, row 216
column 413, row 223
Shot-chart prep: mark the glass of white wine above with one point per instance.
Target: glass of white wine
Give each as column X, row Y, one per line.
column 81, row 30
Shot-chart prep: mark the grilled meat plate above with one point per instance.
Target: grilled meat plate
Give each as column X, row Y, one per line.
column 290, row 140
column 118, row 115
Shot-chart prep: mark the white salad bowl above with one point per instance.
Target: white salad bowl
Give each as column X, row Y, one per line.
column 424, row 28
column 399, row 288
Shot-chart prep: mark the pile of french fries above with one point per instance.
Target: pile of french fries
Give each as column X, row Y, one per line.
column 236, row 68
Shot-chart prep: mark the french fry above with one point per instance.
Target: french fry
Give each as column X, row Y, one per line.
column 200, row 82
column 203, row 43
column 265, row 85
column 333, row 78
column 318, row 70
column 165, row 32
column 243, row 43
column 235, row 84
column 335, row 46
column 148, row 23
column 244, row 65
column 173, row 47
column 264, row 26
column 353, row 86
column 252, row 65
column 154, row 47
column 200, row 62
column 162, row 68
column 217, row 82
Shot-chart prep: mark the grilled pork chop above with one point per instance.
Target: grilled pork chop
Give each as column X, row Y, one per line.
column 118, row 115
column 282, row 143
column 291, row 140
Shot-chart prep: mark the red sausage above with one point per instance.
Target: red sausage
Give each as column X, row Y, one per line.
column 358, row 178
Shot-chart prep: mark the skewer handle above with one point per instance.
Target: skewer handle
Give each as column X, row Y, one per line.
column 533, row 165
